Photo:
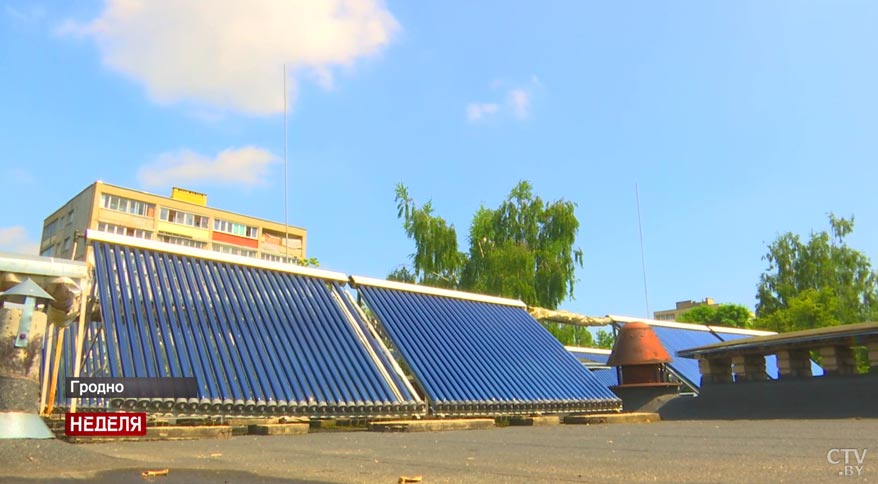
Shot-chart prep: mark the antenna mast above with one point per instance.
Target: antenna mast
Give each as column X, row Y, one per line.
column 642, row 256
column 286, row 178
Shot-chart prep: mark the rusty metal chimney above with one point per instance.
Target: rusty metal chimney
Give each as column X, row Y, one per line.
column 641, row 358
column 640, row 354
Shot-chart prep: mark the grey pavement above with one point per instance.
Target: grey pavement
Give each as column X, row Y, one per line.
column 706, row 451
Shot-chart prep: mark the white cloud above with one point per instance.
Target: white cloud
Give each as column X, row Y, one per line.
column 519, row 101
column 31, row 13
column 15, row 239
column 477, row 111
column 247, row 166
column 229, row 54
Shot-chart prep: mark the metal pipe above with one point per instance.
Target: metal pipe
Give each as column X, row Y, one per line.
column 42, row 266
column 47, row 367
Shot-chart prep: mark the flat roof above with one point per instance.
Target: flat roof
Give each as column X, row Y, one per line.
column 845, row 334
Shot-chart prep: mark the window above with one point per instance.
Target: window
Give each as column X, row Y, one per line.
column 66, row 245
column 122, row 230
column 229, row 249
column 235, row 228
column 70, row 217
column 48, row 251
column 280, row 258
column 50, row 228
column 185, row 242
column 183, row 218
column 126, row 205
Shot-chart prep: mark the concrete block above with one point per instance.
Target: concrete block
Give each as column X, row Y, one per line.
column 279, row 429
column 543, row 421
column 716, row 370
column 248, row 421
column 635, row 417
column 749, row 367
column 165, row 433
column 431, row 425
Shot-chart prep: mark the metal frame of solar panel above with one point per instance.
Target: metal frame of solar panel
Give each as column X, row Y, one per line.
column 261, row 338
column 595, row 359
column 479, row 355
column 94, row 363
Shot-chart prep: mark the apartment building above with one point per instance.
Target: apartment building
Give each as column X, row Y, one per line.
column 181, row 219
column 682, row 307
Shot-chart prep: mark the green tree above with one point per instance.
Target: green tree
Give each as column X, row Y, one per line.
column 605, row 339
column 309, row 262
column 523, row 249
column 570, row 334
column 817, row 283
column 733, row 315
column 436, row 261
column 402, row 274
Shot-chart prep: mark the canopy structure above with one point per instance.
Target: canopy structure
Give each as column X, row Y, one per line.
column 681, row 336
column 259, row 340
column 478, row 355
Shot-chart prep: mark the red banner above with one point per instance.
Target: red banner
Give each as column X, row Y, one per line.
column 235, row 240
column 105, row 424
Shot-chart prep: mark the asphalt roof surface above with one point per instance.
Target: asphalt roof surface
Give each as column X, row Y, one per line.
column 674, row 452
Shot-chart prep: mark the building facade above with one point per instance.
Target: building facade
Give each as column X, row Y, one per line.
column 182, row 219
column 682, row 307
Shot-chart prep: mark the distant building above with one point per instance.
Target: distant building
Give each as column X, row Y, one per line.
column 682, row 307
column 182, row 219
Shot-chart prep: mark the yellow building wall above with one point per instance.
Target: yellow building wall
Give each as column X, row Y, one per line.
column 88, row 212
column 125, row 219
column 184, row 230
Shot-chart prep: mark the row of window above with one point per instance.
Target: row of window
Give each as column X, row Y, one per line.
column 135, row 207
column 280, row 258
column 231, row 249
column 57, row 249
column 122, row 230
column 183, row 218
column 121, row 204
column 61, row 221
column 171, row 239
column 185, row 242
column 50, row 228
column 235, row 228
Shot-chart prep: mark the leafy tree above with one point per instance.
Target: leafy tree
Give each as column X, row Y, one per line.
column 821, row 282
column 734, row 315
column 309, row 262
column 523, row 249
column 605, row 339
column 402, row 274
column 436, row 261
column 569, row 334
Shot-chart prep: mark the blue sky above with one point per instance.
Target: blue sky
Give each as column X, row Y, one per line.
column 737, row 120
